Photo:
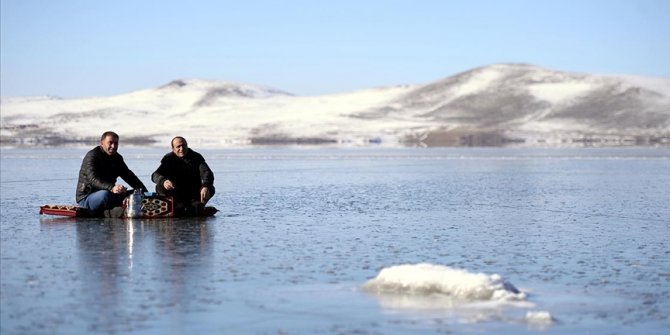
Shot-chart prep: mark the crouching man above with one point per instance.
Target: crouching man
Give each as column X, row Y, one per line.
column 97, row 190
column 184, row 175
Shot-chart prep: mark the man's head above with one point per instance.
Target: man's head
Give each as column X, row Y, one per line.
column 109, row 141
column 179, row 146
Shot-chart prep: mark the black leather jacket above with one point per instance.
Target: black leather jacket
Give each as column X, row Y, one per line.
column 99, row 172
column 188, row 174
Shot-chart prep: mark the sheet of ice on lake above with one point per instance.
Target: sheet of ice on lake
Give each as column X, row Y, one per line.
column 472, row 297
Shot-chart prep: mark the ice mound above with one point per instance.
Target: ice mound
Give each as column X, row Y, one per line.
column 539, row 317
column 460, row 286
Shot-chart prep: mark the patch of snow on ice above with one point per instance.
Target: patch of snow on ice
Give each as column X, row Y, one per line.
column 429, row 279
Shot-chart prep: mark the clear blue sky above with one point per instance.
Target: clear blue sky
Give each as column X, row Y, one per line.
column 80, row 48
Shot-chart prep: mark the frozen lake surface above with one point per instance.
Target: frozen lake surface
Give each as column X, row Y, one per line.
column 491, row 241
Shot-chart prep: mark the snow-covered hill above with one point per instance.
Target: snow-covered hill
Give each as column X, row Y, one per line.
column 490, row 105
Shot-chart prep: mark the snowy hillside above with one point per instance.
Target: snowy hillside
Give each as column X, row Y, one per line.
column 493, row 105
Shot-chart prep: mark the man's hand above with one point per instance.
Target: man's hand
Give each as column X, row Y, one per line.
column 119, row 189
column 204, row 194
column 168, row 185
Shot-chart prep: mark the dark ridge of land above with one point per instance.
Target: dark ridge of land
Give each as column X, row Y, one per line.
column 56, row 140
column 460, row 137
column 497, row 138
column 276, row 140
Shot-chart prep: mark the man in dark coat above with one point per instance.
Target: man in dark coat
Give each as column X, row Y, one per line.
column 184, row 175
column 97, row 189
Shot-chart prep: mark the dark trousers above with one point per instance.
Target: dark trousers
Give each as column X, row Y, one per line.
column 185, row 204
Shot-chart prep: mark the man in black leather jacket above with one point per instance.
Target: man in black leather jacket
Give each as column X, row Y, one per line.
column 97, row 189
column 184, row 174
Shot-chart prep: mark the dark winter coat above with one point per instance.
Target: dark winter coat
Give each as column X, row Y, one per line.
column 99, row 171
column 188, row 174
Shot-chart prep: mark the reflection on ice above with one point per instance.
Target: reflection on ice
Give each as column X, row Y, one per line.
column 470, row 297
column 131, row 231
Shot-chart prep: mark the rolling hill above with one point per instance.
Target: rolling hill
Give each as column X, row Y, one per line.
column 500, row 104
